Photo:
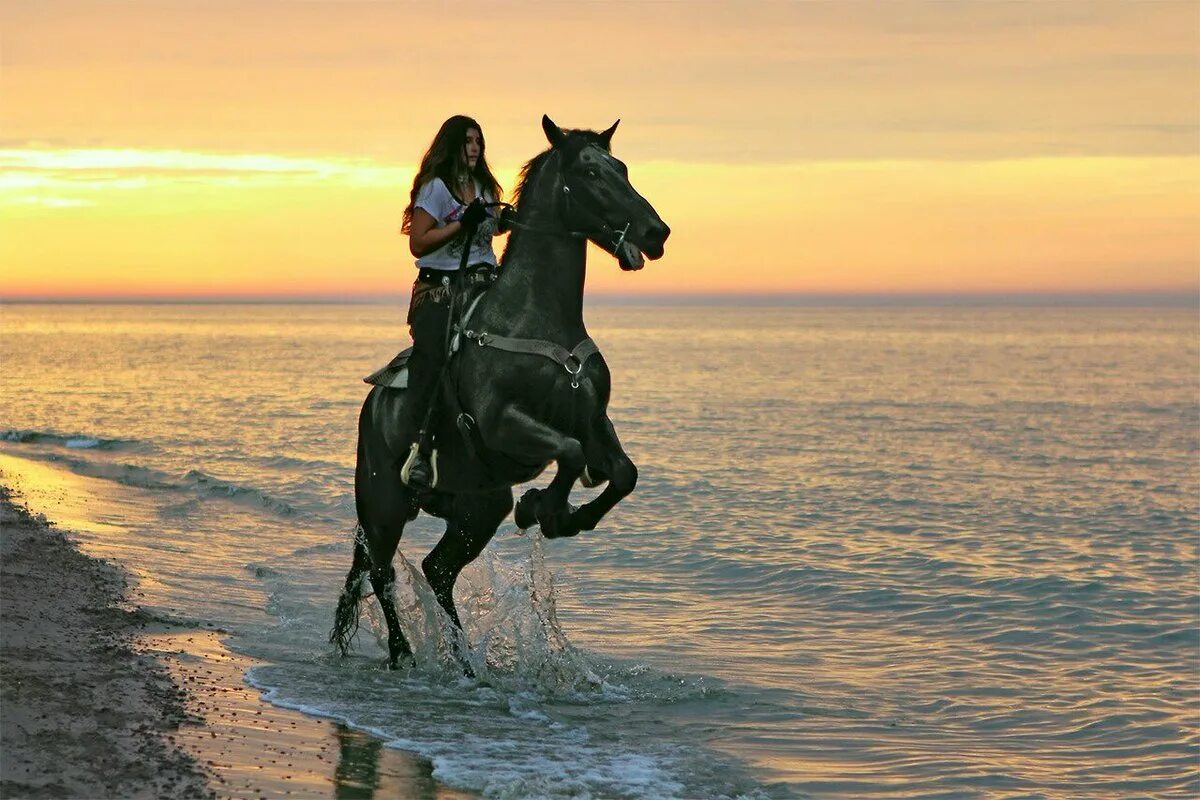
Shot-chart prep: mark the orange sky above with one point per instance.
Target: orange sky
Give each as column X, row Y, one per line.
column 206, row 148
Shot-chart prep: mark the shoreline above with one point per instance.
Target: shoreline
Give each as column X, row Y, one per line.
column 254, row 749
column 76, row 688
column 101, row 699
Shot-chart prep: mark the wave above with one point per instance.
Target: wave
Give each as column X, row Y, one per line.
column 125, row 474
column 216, row 487
column 135, row 475
column 73, row 441
column 319, row 405
column 294, row 463
column 195, row 480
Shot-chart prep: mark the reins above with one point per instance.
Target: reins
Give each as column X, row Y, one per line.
column 618, row 235
column 512, row 223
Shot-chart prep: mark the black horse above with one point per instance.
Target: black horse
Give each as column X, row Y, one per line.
column 529, row 385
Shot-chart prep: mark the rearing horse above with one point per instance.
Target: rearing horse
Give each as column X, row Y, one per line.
column 527, row 379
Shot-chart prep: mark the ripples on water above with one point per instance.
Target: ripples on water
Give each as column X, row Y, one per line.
column 872, row 552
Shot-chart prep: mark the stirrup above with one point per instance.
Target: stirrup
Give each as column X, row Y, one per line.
column 414, row 453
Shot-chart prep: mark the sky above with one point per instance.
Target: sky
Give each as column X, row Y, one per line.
column 254, row 149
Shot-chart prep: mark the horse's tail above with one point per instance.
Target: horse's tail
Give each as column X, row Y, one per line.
column 345, row 620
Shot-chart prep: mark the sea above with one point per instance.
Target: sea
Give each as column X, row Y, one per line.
column 874, row 551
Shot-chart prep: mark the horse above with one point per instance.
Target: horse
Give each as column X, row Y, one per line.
column 530, row 386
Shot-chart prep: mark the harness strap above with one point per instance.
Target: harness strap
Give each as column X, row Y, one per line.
column 462, row 323
column 570, row 360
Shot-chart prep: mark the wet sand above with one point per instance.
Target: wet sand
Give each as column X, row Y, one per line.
column 100, row 700
column 255, row 749
column 83, row 713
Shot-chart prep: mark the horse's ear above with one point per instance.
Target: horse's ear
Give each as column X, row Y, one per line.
column 554, row 133
column 607, row 135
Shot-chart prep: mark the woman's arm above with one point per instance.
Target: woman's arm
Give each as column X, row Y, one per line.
column 424, row 236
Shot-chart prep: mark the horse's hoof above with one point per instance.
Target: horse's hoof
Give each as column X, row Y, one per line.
column 525, row 514
column 558, row 526
column 401, row 661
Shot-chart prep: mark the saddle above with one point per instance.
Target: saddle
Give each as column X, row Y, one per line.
column 474, row 284
column 395, row 374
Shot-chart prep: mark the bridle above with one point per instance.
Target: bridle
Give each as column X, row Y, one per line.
column 617, row 237
column 600, row 230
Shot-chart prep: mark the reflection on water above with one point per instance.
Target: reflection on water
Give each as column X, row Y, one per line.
column 360, row 773
column 357, row 775
column 255, row 749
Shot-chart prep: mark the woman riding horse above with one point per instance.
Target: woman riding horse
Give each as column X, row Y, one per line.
column 446, row 214
column 529, row 384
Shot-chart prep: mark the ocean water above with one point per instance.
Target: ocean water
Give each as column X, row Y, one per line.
column 873, row 552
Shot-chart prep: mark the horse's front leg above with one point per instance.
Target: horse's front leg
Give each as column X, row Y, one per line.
column 525, row 439
column 606, row 457
column 472, row 522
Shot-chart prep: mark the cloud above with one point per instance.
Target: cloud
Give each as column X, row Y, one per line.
column 705, row 81
column 45, row 201
column 106, row 168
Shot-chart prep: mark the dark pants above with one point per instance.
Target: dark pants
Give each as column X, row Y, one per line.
column 427, row 324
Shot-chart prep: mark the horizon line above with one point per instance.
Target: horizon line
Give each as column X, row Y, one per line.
column 1156, row 298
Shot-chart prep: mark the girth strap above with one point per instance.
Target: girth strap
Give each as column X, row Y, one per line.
column 570, row 360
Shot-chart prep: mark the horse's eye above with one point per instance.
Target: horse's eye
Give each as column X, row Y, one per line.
column 591, row 173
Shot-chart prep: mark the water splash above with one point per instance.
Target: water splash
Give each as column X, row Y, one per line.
column 512, row 640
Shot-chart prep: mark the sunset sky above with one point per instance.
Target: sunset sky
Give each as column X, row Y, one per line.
column 209, row 149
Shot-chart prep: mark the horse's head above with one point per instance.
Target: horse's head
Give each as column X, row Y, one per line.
column 599, row 201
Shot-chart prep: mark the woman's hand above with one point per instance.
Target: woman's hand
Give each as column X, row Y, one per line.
column 474, row 215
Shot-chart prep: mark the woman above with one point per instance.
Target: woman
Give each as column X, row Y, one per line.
column 445, row 214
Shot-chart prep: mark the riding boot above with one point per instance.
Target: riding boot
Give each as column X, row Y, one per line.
column 424, row 373
column 418, row 472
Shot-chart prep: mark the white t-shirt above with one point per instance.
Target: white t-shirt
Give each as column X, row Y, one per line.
column 436, row 199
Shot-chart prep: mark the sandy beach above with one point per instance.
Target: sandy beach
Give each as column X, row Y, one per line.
column 85, row 713
column 101, row 700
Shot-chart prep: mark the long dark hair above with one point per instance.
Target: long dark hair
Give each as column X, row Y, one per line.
column 442, row 157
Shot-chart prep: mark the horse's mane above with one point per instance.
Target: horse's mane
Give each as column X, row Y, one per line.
column 531, row 168
column 577, row 139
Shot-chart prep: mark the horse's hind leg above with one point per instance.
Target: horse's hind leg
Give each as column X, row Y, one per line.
column 384, row 505
column 383, row 527
column 345, row 620
column 382, row 530
column 383, row 580
column 471, row 525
